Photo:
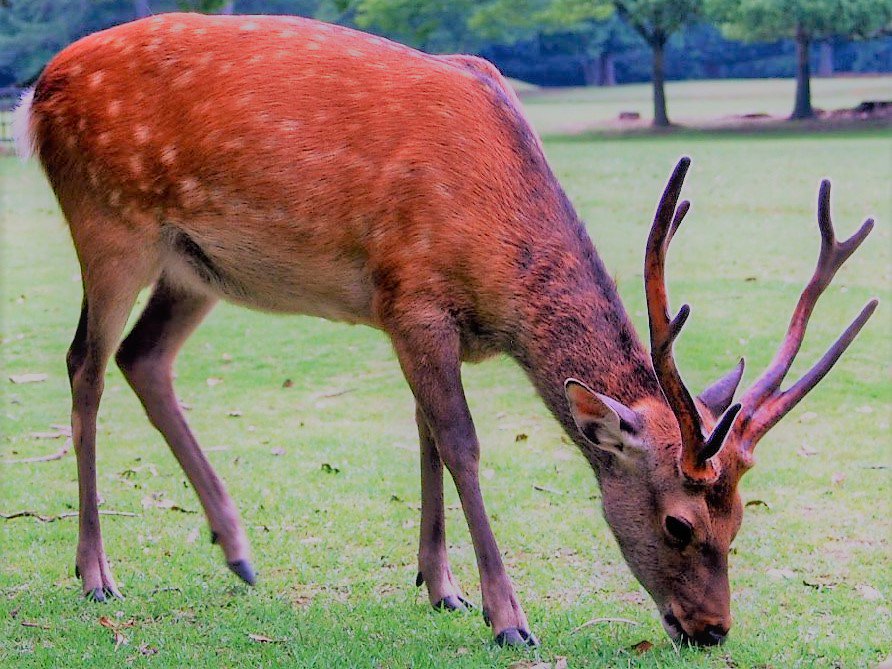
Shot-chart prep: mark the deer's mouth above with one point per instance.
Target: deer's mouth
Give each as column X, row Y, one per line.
column 712, row 635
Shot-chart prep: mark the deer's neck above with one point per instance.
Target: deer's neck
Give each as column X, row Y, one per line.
column 575, row 326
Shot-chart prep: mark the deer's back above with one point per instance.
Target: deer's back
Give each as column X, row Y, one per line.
column 296, row 165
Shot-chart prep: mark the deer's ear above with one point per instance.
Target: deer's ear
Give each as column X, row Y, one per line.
column 608, row 424
column 718, row 397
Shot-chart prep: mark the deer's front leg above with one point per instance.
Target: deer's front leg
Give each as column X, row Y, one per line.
column 430, row 360
column 433, row 564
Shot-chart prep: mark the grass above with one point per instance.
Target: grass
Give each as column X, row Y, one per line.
column 555, row 111
column 335, row 551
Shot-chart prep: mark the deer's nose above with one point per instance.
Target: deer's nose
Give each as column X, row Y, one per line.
column 711, row 635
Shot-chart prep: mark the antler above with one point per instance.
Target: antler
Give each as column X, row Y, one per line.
column 765, row 404
column 696, row 448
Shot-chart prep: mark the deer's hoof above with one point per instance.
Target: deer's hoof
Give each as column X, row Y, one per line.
column 243, row 569
column 103, row 594
column 514, row 637
column 453, row 603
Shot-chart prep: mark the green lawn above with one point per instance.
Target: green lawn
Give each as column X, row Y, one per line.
column 555, row 111
column 336, row 551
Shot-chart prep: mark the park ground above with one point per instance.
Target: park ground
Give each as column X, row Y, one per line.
column 311, row 426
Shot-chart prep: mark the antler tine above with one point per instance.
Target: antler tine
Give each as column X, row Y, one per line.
column 663, row 329
column 780, row 404
column 764, row 405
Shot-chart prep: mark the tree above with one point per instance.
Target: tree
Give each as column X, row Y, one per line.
column 654, row 21
column 806, row 21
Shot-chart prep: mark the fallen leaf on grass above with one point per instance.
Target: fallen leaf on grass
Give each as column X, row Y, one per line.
column 758, row 502
column 278, row 450
column 521, row 437
column 287, row 383
column 781, row 573
column 820, row 584
column 837, row 478
column 869, row 593
column 542, row 488
column 560, row 662
column 806, row 451
column 116, row 628
column 29, row 378
column 328, row 469
column 259, row 638
column 157, row 501
column 146, row 650
column 213, row 381
column 641, row 647
column 235, row 413
column 31, row 623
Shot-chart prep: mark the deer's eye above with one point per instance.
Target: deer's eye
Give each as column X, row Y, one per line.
column 678, row 530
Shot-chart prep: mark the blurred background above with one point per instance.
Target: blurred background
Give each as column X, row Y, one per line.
column 579, row 64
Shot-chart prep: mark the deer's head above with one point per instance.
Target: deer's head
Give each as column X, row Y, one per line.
column 670, row 484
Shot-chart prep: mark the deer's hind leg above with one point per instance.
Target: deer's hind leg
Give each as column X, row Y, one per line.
column 146, row 358
column 111, row 285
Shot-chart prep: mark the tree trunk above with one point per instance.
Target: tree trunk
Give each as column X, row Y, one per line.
column 661, row 118
column 825, row 59
column 590, row 73
column 606, row 69
column 802, row 109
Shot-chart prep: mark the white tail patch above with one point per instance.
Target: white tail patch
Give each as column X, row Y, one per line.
column 21, row 126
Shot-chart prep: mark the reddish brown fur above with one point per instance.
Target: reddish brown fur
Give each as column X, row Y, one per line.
column 292, row 166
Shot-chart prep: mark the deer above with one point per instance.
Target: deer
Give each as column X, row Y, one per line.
column 292, row 166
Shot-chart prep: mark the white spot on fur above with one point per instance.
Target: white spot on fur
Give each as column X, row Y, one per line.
column 169, row 155
column 314, row 46
column 76, row 69
column 287, row 33
column 96, row 78
column 136, row 164
column 141, row 134
column 183, row 79
column 199, row 31
column 114, row 198
column 114, row 108
column 191, row 194
column 177, row 27
column 356, row 53
column 103, row 139
column 256, row 59
column 250, row 25
column 21, row 126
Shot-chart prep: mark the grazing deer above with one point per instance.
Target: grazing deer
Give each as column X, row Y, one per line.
column 293, row 166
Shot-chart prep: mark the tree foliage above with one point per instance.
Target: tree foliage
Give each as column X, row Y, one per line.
column 755, row 20
column 806, row 21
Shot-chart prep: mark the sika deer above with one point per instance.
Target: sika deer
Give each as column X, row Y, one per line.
column 288, row 165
